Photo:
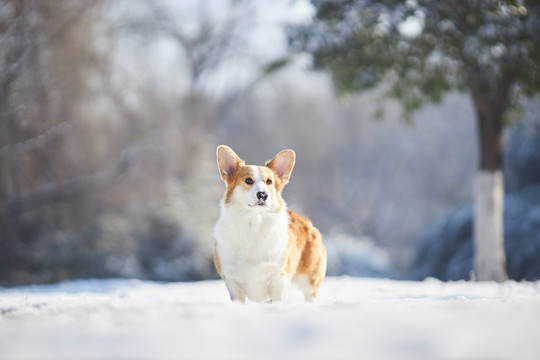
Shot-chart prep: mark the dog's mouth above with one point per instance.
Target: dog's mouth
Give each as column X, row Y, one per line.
column 259, row 203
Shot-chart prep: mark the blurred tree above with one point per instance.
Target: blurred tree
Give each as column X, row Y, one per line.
column 421, row 49
column 206, row 39
column 70, row 144
column 46, row 59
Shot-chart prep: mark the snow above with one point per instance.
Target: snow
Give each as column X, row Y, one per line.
column 353, row 318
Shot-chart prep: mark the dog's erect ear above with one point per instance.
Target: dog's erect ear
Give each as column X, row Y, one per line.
column 282, row 164
column 228, row 162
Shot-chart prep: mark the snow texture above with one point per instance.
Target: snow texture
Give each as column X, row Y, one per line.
column 353, row 318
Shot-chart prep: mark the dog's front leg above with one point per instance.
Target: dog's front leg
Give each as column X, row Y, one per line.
column 236, row 291
column 279, row 288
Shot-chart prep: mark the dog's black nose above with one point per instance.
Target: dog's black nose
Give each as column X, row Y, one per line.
column 261, row 195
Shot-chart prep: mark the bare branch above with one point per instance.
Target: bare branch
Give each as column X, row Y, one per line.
column 36, row 142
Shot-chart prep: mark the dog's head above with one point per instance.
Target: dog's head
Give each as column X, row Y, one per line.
column 254, row 187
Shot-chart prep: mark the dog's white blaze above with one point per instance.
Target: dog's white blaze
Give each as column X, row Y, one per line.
column 257, row 176
column 256, row 172
column 259, row 184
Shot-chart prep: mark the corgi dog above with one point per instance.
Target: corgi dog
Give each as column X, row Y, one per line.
column 261, row 247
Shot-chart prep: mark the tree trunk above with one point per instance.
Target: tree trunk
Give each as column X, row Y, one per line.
column 490, row 260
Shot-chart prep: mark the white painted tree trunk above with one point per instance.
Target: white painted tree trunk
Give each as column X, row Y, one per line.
column 490, row 260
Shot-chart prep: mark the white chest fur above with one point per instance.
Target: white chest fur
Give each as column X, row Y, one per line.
column 251, row 245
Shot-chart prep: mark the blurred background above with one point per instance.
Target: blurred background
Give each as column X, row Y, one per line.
column 111, row 111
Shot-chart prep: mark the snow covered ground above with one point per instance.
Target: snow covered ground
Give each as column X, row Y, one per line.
column 353, row 319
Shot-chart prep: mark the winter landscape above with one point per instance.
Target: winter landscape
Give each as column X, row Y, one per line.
column 353, row 318
column 416, row 128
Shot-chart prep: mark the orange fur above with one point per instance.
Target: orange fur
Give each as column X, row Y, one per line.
column 306, row 253
column 216, row 260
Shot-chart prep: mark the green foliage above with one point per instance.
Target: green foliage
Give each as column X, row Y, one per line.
column 424, row 48
column 276, row 65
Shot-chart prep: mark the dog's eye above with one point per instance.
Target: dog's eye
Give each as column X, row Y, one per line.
column 249, row 181
column 268, row 182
